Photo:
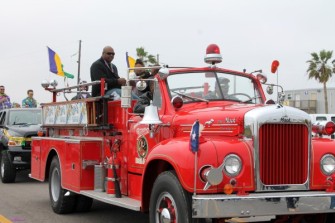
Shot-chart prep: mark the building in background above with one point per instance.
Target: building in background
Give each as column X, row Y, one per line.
column 311, row 100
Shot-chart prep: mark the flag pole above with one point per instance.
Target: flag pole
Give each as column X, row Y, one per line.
column 79, row 56
column 277, row 88
column 195, row 172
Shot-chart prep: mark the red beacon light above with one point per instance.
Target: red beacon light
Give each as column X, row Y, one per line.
column 213, row 55
column 323, row 128
column 262, row 78
column 177, row 102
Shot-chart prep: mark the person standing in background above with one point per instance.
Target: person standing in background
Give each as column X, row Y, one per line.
column 29, row 102
column 4, row 99
column 83, row 92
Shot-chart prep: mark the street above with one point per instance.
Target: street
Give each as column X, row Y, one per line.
column 27, row 201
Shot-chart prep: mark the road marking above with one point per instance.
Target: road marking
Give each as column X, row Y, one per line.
column 4, row 220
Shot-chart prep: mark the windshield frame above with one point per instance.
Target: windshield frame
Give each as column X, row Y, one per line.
column 254, row 96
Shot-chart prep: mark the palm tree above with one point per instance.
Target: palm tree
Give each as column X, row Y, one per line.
column 320, row 70
column 145, row 56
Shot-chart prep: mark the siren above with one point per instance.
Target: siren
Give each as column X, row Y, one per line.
column 141, row 85
column 213, row 55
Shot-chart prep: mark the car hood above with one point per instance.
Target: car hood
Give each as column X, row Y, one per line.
column 219, row 118
column 25, row 130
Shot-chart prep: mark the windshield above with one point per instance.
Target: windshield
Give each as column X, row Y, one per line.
column 21, row 117
column 213, row 86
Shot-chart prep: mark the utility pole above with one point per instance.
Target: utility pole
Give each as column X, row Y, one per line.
column 79, row 55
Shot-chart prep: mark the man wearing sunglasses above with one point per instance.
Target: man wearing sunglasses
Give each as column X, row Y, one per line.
column 103, row 68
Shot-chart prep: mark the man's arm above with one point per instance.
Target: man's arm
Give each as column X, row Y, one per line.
column 140, row 105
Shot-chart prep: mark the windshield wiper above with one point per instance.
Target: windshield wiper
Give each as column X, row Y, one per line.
column 21, row 123
column 190, row 97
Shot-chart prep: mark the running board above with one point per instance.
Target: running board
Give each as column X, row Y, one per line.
column 124, row 201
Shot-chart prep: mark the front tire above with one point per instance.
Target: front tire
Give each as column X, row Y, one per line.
column 7, row 170
column 169, row 202
column 62, row 201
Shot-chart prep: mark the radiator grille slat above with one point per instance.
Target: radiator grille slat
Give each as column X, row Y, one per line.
column 283, row 154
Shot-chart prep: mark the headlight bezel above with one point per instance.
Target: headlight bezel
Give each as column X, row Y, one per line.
column 229, row 158
column 322, row 164
column 16, row 141
column 14, row 138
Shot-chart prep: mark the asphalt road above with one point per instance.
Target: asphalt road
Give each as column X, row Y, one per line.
column 27, row 201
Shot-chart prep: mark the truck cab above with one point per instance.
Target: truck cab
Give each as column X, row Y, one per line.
column 207, row 147
column 17, row 127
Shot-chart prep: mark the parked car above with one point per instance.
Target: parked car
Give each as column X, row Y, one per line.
column 17, row 126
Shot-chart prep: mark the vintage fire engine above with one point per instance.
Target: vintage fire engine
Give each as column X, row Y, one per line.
column 251, row 158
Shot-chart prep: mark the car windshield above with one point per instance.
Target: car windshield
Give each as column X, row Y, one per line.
column 213, row 86
column 25, row 117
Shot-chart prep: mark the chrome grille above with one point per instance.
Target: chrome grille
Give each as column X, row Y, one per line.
column 283, row 154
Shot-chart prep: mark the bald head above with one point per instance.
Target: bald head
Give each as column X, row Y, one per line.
column 108, row 53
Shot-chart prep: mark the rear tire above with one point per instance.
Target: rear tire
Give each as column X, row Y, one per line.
column 83, row 203
column 7, row 170
column 62, row 201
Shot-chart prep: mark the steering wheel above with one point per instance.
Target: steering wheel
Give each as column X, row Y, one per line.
column 243, row 94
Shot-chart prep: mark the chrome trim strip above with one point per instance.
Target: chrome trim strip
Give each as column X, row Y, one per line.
column 73, row 138
column 190, row 125
column 222, row 206
column 208, row 131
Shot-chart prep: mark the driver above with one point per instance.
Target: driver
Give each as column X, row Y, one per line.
column 224, row 85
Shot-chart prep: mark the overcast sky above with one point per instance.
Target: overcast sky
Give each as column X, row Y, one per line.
column 250, row 33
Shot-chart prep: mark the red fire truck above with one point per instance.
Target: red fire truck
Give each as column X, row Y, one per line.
column 209, row 146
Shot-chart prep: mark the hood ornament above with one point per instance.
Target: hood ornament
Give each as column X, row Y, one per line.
column 209, row 123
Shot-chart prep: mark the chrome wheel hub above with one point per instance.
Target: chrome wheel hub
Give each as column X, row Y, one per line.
column 165, row 216
column 166, row 210
column 55, row 185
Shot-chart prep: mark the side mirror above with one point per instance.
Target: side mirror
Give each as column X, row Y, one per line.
column 269, row 89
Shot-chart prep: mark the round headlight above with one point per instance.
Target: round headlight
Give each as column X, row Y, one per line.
column 328, row 164
column 232, row 165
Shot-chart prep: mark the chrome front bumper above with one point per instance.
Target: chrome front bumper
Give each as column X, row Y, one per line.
column 262, row 204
